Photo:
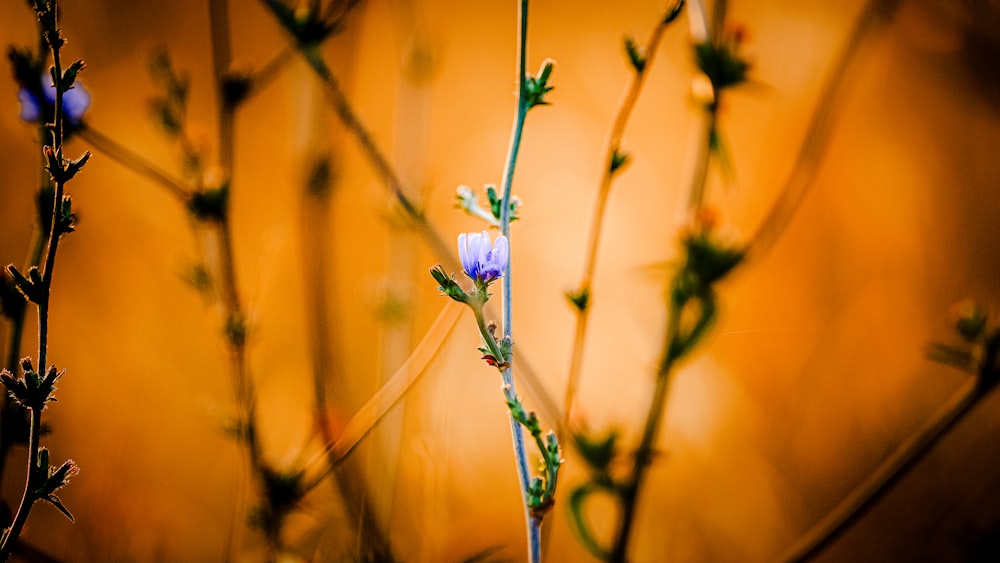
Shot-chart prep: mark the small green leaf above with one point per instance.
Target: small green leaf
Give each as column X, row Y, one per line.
column 235, row 88
column 952, row 356
column 721, row 64
column 579, row 299
column 69, row 75
column 236, row 330
column 675, row 11
column 210, row 204
column 448, row 285
column 536, row 87
column 618, row 160
column 635, row 55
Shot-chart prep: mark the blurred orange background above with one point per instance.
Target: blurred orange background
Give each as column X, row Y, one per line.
column 814, row 373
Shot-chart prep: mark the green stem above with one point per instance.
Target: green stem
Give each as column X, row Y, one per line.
column 517, row 436
column 700, row 179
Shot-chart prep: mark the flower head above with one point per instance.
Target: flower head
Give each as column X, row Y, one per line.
column 76, row 101
column 482, row 261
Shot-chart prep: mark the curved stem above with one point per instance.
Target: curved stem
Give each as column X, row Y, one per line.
column 871, row 20
column 584, row 290
column 893, row 468
column 11, row 534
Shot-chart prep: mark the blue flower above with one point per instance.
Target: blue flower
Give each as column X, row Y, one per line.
column 76, row 101
column 482, row 261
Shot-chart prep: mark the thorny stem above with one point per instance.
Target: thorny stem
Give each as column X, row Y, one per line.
column 28, row 498
column 632, row 90
column 13, row 413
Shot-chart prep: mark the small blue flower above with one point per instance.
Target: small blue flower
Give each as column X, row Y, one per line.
column 482, row 261
column 76, row 101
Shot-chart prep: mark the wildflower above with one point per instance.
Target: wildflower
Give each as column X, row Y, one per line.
column 76, row 101
column 480, row 261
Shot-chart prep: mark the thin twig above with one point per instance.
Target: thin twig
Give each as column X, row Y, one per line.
column 611, row 166
column 389, row 395
column 517, row 436
column 133, row 161
column 235, row 320
column 892, row 468
column 351, row 483
column 28, row 498
column 870, row 21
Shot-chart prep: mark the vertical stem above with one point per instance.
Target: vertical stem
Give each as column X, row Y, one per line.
column 221, row 57
column 12, row 414
column 28, row 498
column 645, row 452
column 517, row 436
column 699, row 180
column 351, row 484
column 235, row 319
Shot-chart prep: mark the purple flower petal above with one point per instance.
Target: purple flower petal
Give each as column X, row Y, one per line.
column 76, row 101
column 482, row 261
column 30, row 111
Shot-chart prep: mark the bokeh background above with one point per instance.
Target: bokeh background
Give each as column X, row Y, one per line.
column 816, row 371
